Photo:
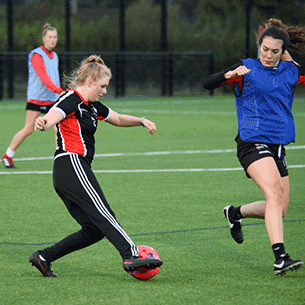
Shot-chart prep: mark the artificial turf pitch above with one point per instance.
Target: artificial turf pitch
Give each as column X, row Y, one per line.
column 168, row 191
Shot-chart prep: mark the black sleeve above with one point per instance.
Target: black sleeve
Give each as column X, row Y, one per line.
column 67, row 104
column 215, row 80
column 102, row 110
column 301, row 70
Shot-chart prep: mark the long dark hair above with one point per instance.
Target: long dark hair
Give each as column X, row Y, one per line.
column 293, row 38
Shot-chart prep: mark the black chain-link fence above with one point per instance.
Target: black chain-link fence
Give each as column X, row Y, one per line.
column 134, row 73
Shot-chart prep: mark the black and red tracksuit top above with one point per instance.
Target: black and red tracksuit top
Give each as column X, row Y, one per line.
column 76, row 131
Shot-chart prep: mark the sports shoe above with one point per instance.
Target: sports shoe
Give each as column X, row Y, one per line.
column 41, row 264
column 136, row 262
column 285, row 263
column 7, row 161
column 235, row 225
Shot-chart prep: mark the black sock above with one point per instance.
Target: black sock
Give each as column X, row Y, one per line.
column 278, row 250
column 235, row 213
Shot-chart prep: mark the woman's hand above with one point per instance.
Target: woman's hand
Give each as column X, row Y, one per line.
column 287, row 57
column 151, row 126
column 241, row 70
column 40, row 123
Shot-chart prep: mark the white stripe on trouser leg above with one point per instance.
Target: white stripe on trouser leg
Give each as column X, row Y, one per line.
column 97, row 201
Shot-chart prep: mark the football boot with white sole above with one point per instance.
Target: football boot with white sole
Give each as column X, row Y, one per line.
column 285, row 263
column 7, row 161
column 235, row 225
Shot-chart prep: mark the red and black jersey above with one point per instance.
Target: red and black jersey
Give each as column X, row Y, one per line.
column 76, row 131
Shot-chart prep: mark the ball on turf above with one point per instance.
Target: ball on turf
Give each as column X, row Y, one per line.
column 143, row 274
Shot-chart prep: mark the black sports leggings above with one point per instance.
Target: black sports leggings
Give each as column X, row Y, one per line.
column 77, row 186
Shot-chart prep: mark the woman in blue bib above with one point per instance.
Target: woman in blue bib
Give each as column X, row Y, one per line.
column 264, row 92
column 43, row 89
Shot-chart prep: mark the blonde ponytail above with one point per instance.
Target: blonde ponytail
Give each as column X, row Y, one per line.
column 93, row 67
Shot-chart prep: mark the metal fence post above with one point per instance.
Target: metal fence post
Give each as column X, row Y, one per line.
column 10, row 73
column 171, row 74
column 122, row 73
column 68, row 34
column 163, row 74
column 164, row 45
column 10, row 34
column 122, row 48
column 117, row 74
column 211, row 68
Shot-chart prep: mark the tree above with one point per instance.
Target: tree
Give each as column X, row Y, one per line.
column 289, row 11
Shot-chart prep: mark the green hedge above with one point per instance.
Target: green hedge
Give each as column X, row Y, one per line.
column 217, row 27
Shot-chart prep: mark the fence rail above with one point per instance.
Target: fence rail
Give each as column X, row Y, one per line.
column 134, row 73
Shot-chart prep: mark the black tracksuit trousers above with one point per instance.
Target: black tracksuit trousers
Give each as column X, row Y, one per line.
column 77, row 186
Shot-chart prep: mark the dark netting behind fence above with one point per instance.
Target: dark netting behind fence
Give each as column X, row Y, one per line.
column 134, row 73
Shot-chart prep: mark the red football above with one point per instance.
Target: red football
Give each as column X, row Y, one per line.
column 143, row 274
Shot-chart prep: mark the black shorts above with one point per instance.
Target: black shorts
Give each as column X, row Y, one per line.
column 40, row 108
column 249, row 152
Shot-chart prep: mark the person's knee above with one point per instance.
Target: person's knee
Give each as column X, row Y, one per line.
column 90, row 232
column 280, row 191
column 275, row 192
column 28, row 130
column 278, row 197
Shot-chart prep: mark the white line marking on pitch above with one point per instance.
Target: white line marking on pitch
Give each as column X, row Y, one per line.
column 122, row 171
column 155, row 153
